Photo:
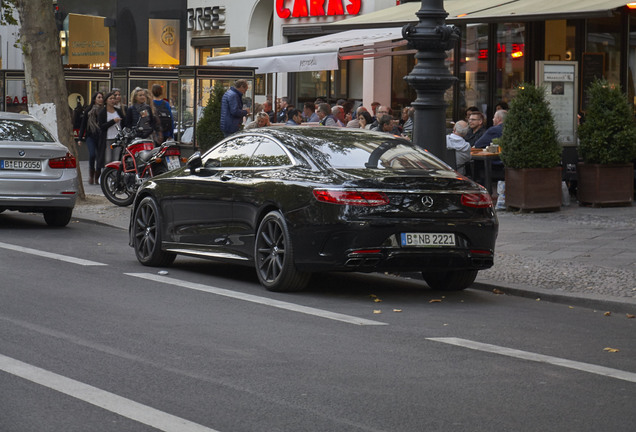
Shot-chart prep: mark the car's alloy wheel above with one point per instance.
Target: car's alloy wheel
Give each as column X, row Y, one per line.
column 275, row 257
column 58, row 217
column 147, row 235
column 113, row 190
column 455, row 280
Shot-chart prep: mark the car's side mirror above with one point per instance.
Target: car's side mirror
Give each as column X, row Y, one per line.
column 194, row 161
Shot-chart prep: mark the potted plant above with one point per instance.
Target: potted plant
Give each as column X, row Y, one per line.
column 607, row 146
column 531, row 152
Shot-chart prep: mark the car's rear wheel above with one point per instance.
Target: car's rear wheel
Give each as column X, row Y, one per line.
column 147, row 235
column 455, row 280
column 274, row 255
column 58, row 217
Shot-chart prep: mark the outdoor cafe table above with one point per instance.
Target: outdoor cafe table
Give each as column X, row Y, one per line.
column 486, row 158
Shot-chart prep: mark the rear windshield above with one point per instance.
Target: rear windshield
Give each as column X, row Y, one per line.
column 374, row 151
column 24, row 130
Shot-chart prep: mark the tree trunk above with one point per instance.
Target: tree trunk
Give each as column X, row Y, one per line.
column 44, row 73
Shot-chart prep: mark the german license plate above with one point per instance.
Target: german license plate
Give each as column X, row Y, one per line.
column 173, row 162
column 428, row 239
column 21, row 165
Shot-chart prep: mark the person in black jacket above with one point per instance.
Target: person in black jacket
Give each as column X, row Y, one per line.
column 90, row 131
column 139, row 115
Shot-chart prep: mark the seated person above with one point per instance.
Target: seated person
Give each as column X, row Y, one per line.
column 493, row 132
column 261, row 120
column 456, row 141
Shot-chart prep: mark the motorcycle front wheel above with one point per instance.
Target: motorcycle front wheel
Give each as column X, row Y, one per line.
column 115, row 191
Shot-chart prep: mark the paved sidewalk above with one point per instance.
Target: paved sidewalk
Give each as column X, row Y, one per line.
column 579, row 255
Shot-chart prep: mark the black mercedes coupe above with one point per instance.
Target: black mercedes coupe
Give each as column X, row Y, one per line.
column 292, row 201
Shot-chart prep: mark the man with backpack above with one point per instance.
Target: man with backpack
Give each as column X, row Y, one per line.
column 164, row 114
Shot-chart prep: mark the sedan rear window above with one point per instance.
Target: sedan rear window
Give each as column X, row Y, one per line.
column 29, row 131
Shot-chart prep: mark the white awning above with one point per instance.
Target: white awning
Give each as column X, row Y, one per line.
column 489, row 11
column 316, row 54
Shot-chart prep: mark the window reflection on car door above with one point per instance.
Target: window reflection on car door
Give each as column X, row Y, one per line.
column 203, row 198
column 261, row 183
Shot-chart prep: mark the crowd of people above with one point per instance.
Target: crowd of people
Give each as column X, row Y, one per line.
column 472, row 132
column 148, row 113
column 342, row 114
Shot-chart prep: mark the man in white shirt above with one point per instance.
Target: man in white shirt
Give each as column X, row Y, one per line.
column 456, row 141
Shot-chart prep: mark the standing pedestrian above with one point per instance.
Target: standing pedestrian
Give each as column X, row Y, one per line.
column 232, row 112
column 164, row 113
column 109, row 119
column 139, row 115
column 90, row 131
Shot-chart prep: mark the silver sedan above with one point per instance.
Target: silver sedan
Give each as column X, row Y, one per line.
column 37, row 173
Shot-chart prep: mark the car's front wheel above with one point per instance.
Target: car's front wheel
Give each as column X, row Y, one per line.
column 455, row 280
column 274, row 255
column 58, row 217
column 147, row 235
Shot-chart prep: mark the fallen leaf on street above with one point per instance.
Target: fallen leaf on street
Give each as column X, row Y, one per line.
column 631, row 316
column 377, row 311
column 496, row 291
column 612, row 350
column 377, row 300
column 397, row 310
column 435, row 301
column 607, row 313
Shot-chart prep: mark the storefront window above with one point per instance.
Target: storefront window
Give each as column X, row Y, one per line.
column 511, row 39
column 473, row 72
column 310, row 85
column 16, row 97
column 603, row 36
column 402, row 94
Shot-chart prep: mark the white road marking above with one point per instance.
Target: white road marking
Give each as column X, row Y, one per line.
column 526, row 355
column 58, row 257
column 256, row 299
column 100, row 398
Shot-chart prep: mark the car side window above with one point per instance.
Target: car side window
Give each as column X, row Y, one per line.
column 233, row 153
column 269, row 154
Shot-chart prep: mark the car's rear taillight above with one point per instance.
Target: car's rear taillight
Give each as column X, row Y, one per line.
column 354, row 198
column 67, row 161
column 479, row 200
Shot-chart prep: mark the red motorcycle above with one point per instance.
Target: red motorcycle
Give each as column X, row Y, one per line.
column 139, row 160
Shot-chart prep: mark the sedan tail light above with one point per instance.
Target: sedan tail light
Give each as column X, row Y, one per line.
column 67, row 161
column 479, row 200
column 354, row 198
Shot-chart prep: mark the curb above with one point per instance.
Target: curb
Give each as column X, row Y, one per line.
column 624, row 305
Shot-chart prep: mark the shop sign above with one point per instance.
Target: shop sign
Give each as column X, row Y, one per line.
column 207, row 18
column 88, row 40
column 317, row 8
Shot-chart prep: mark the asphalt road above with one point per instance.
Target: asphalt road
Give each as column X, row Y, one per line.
column 91, row 340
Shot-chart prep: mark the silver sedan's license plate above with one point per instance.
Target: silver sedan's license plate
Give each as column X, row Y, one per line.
column 21, row 165
column 428, row 239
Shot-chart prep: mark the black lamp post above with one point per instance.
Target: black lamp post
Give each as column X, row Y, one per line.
column 430, row 77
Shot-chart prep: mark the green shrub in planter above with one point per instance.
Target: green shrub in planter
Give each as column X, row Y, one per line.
column 209, row 126
column 608, row 134
column 530, row 138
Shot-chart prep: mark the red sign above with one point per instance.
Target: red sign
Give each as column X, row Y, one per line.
column 15, row 101
column 517, row 50
column 317, row 8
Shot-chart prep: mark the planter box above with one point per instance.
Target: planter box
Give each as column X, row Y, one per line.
column 534, row 189
column 605, row 185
